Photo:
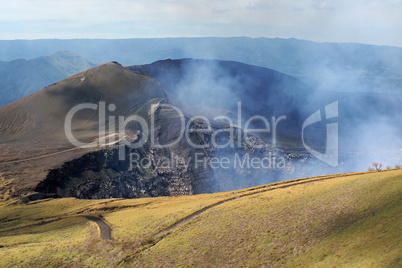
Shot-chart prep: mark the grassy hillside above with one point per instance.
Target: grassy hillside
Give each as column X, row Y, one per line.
column 329, row 221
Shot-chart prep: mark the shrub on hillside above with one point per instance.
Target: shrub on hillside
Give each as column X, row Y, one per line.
column 375, row 166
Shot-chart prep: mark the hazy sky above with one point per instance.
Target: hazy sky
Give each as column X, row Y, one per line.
column 363, row 21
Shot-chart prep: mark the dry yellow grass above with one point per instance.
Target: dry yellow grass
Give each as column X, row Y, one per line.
column 350, row 220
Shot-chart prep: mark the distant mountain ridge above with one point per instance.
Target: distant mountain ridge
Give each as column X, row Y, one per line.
column 346, row 67
column 20, row 77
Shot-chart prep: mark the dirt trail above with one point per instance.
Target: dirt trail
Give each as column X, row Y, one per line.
column 40, row 157
column 104, row 229
column 253, row 191
column 65, row 151
column 249, row 192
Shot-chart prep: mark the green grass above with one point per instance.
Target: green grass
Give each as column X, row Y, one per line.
column 347, row 221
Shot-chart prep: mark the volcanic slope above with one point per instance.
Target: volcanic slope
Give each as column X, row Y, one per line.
column 42, row 114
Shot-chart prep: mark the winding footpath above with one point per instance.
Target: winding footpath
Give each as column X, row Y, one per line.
column 104, row 229
column 40, row 157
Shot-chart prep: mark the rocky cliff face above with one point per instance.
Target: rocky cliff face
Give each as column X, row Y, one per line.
column 101, row 174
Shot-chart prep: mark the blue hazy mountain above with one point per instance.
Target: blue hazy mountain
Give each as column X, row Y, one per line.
column 19, row 78
column 343, row 67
